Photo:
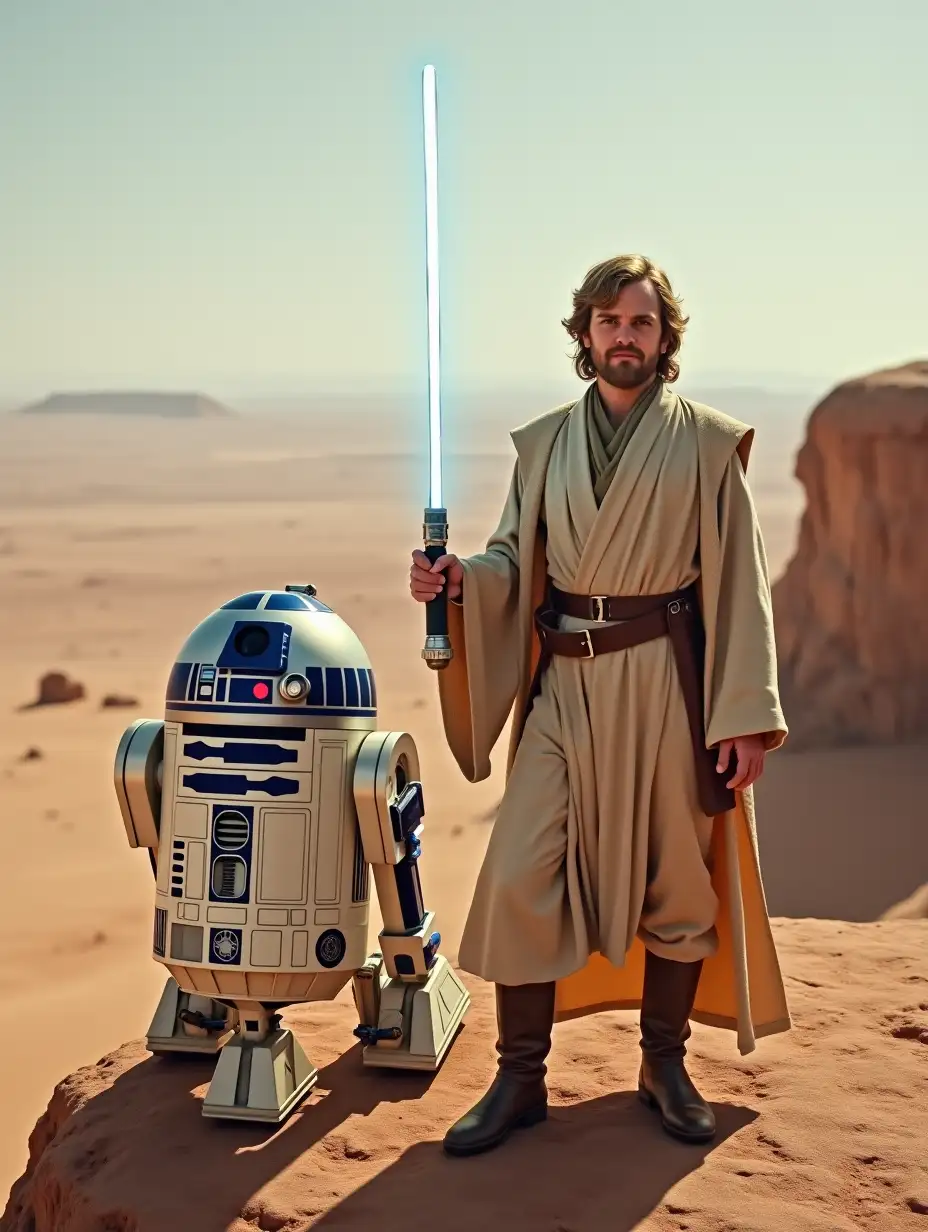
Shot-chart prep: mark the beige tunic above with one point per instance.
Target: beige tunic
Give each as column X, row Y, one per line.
column 599, row 847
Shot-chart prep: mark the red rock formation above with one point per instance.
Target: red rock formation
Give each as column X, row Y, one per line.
column 852, row 605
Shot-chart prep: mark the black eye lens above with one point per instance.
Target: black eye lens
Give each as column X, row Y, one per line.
column 252, row 641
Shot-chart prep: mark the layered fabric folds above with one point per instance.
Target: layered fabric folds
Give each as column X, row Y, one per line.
column 599, row 848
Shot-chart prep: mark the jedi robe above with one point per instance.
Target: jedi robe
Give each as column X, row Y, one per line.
column 566, row 890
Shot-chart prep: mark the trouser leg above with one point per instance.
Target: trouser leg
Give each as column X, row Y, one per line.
column 518, row 1096
column 680, row 905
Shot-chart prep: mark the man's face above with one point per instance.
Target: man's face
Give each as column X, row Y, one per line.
column 624, row 340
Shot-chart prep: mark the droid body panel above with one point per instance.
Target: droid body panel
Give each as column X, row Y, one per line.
column 265, row 796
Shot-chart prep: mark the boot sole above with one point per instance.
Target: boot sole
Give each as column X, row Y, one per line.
column 699, row 1136
column 534, row 1116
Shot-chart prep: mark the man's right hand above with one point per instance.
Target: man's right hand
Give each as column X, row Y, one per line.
column 427, row 580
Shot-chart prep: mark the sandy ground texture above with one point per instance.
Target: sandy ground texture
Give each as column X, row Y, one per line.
column 820, row 1130
column 117, row 538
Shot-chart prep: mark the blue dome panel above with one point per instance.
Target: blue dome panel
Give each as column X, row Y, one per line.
column 247, row 603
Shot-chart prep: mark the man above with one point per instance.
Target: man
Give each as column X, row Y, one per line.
column 623, row 606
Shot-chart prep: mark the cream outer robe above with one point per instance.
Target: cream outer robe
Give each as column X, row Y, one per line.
column 683, row 459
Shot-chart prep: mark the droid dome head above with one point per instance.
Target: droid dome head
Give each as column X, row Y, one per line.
column 281, row 654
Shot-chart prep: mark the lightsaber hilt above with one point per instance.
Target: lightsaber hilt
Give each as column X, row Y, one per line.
column 437, row 650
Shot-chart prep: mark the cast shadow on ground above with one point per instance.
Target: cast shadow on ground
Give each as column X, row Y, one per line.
column 601, row 1164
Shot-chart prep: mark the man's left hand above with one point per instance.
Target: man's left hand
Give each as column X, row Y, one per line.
column 750, row 751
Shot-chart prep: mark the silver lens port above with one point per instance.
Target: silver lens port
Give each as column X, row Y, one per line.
column 294, row 687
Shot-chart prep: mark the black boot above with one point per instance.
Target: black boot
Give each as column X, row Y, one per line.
column 663, row 1083
column 518, row 1096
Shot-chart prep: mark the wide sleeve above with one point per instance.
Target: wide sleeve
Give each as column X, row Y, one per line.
column 478, row 687
column 742, row 695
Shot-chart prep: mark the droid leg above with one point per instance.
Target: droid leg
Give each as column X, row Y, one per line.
column 262, row 1073
column 410, row 1000
column 189, row 1023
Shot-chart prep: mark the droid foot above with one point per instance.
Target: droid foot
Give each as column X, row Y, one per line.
column 187, row 1022
column 260, row 1080
column 422, row 1020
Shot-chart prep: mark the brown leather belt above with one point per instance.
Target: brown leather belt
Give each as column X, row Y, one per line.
column 645, row 617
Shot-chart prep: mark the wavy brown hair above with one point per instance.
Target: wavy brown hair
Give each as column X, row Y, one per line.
column 601, row 288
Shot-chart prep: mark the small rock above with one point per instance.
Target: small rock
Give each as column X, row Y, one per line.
column 918, row 1206
column 118, row 699
column 56, row 688
column 32, row 754
column 457, row 831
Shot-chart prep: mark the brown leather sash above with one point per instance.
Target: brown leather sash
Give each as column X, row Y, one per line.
column 645, row 617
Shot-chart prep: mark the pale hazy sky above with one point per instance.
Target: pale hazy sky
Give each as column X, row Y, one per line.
column 229, row 195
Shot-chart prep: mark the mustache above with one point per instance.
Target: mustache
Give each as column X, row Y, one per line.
column 630, row 353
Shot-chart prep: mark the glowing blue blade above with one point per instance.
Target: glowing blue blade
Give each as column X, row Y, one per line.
column 430, row 127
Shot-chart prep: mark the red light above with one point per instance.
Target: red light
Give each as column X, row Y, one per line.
column 260, row 690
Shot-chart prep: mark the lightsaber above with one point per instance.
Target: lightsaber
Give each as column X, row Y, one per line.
column 437, row 650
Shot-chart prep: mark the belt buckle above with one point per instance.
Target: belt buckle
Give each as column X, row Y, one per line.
column 591, row 653
column 598, row 606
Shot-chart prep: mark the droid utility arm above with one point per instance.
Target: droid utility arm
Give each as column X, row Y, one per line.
column 419, row 1006
column 137, row 773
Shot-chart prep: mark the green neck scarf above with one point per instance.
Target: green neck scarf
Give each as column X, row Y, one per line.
column 607, row 442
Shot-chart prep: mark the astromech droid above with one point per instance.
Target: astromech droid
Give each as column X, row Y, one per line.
column 265, row 798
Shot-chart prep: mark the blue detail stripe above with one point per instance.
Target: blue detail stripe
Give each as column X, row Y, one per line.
column 316, row 684
column 221, row 686
column 204, row 782
column 240, row 754
column 334, row 687
column 192, row 686
column 336, row 712
column 364, row 681
column 217, row 731
column 351, row 687
column 178, row 681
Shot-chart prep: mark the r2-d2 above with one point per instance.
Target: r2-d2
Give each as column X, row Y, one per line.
column 265, row 797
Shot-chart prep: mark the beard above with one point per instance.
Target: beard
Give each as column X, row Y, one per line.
column 628, row 370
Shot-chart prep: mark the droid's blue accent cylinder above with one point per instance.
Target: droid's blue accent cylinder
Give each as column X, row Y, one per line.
column 409, row 892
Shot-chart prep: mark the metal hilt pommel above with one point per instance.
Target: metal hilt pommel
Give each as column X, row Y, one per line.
column 437, row 650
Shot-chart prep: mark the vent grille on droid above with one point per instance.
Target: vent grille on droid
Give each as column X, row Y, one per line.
column 230, row 830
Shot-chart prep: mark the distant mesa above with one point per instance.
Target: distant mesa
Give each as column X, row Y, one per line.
column 130, row 402
column 850, row 606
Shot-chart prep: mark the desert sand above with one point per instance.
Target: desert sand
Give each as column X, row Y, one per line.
column 116, row 538
column 821, row 1131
